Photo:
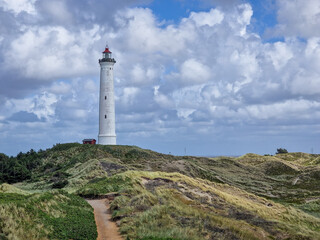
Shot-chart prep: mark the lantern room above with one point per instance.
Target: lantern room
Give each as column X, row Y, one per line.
column 106, row 53
column 107, row 56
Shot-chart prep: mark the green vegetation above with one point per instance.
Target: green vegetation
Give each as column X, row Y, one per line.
column 19, row 168
column 7, row 188
column 50, row 215
column 281, row 150
column 103, row 186
column 159, row 196
column 157, row 205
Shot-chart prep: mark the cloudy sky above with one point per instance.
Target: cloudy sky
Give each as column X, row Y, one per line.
column 201, row 77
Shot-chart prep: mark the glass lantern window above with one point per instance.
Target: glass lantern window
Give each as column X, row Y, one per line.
column 106, row 55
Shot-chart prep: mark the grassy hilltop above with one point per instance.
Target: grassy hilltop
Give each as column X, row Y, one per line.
column 160, row 196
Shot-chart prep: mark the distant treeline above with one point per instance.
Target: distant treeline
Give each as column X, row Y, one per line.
column 19, row 168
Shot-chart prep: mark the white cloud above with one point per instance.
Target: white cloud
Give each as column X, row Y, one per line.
column 60, row 88
column 90, row 86
column 298, row 18
column 280, row 54
column 128, row 95
column 185, row 112
column 140, row 31
column 220, row 72
column 312, row 54
column 194, row 72
column 306, row 84
column 207, row 18
column 164, row 101
column 58, row 11
column 202, row 75
column 210, row 92
column 48, row 53
column 18, row 6
column 241, row 18
column 287, row 109
column 143, row 75
column 44, row 105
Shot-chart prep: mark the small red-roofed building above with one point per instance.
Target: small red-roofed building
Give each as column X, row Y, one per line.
column 89, row 141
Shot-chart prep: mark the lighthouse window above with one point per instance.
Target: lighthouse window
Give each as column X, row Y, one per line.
column 105, row 97
column 105, row 116
column 110, row 68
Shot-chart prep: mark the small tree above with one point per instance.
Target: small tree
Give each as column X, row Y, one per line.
column 281, row 150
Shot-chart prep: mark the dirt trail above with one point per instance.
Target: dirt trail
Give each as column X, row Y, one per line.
column 107, row 230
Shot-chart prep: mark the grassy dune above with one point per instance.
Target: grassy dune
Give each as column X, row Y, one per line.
column 7, row 188
column 51, row 215
column 158, row 205
column 167, row 197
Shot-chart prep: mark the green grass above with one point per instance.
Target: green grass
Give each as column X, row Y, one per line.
column 157, row 205
column 313, row 207
column 51, row 215
column 272, row 177
column 7, row 188
column 102, row 186
column 231, row 195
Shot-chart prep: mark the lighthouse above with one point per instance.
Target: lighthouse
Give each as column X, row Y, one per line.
column 107, row 126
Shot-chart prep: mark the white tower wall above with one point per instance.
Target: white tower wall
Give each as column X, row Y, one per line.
column 107, row 129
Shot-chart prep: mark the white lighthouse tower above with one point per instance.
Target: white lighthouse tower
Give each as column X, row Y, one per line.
column 107, row 126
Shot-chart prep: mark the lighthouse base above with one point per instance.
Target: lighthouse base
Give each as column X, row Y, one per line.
column 107, row 140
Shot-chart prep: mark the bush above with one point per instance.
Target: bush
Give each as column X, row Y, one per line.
column 281, row 150
column 60, row 184
column 64, row 146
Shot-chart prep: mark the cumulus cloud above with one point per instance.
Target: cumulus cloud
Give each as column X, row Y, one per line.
column 297, row 18
column 53, row 52
column 207, row 74
column 194, row 72
column 18, row 6
column 56, row 11
column 279, row 54
column 207, row 18
column 81, row 13
column 306, row 83
column 239, row 78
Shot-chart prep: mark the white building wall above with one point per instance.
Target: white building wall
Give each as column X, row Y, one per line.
column 107, row 129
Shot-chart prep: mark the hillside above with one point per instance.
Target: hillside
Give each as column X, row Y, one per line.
column 49, row 215
column 161, row 196
column 172, row 205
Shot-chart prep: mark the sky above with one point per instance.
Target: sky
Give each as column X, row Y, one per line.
column 193, row 77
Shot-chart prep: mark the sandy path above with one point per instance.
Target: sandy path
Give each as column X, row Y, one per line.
column 107, row 230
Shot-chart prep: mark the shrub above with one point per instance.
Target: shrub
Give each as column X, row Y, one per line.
column 281, row 150
column 60, row 184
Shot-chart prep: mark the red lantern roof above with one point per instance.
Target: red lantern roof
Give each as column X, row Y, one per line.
column 107, row 50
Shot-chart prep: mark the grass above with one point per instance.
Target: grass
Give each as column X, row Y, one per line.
column 102, row 186
column 313, row 207
column 173, row 206
column 287, row 178
column 250, row 197
column 50, row 215
column 7, row 188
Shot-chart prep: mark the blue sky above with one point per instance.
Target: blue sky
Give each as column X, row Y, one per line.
column 212, row 77
column 264, row 12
